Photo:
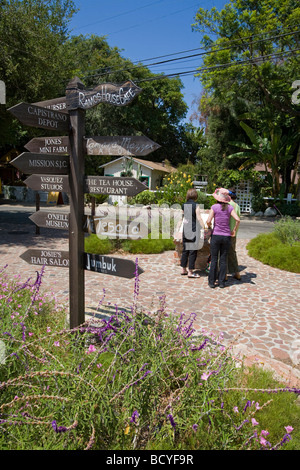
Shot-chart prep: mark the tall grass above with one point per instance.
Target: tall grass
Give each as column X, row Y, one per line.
column 132, row 381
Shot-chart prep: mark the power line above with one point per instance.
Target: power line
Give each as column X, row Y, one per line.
column 219, row 66
column 193, row 55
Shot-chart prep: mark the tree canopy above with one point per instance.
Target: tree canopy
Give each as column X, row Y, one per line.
column 38, row 57
column 251, row 63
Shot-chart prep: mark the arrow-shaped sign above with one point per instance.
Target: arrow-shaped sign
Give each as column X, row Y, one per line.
column 48, row 183
column 117, row 95
column 53, row 145
column 113, row 185
column 120, row 145
column 113, row 266
column 47, row 257
column 57, row 104
column 50, row 219
column 34, row 163
column 36, row 116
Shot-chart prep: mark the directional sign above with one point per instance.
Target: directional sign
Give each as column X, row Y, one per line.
column 113, row 185
column 34, row 163
column 120, row 145
column 113, row 266
column 48, row 183
column 47, row 257
column 117, row 95
column 54, row 145
column 57, row 104
column 36, row 116
column 104, row 227
column 50, row 219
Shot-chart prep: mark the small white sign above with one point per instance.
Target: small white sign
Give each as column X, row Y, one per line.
column 2, row 93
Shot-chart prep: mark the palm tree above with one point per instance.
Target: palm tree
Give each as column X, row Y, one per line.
column 273, row 149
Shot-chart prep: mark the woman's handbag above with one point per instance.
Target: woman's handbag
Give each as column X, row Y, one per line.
column 178, row 234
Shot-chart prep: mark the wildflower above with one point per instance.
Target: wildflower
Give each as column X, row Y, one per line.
column 264, row 433
column 264, row 442
column 289, row 429
column 91, row 349
column 56, row 343
column 254, row 422
column 195, row 427
column 172, row 421
column 247, row 405
column 235, row 409
column 135, row 415
column 205, row 376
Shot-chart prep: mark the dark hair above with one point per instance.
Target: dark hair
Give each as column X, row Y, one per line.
column 192, row 194
column 224, row 204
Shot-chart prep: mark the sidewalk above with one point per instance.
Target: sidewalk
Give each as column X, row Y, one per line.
column 260, row 314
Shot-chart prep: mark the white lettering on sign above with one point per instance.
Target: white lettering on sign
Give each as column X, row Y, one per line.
column 126, row 145
column 50, row 258
column 51, row 183
column 53, row 145
column 100, row 265
column 47, row 117
column 48, row 164
column 56, row 220
column 295, row 99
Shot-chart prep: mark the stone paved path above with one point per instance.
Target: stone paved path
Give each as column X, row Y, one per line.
column 260, row 314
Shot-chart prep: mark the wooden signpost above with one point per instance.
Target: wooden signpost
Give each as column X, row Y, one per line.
column 36, row 116
column 35, row 163
column 53, row 145
column 48, row 183
column 47, row 257
column 118, row 186
column 114, row 266
column 56, row 164
column 117, row 95
column 51, row 219
column 138, row 146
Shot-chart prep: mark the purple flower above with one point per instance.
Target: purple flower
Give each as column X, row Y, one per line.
column 58, row 428
column 172, row 421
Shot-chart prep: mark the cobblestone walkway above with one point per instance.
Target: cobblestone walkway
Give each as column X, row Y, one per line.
column 260, row 314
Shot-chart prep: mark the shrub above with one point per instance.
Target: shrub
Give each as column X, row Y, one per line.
column 93, row 244
column 145, row 197
column 132, row 381
column 288, row 230
column 175, row 187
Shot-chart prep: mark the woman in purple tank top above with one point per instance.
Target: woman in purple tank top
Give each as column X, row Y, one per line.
column 221, row 235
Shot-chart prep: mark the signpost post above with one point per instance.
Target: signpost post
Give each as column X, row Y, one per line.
column 35, row 163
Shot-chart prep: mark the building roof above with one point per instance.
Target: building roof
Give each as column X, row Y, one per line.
column 160, row 166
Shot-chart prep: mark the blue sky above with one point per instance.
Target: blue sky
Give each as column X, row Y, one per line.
column 146, row 29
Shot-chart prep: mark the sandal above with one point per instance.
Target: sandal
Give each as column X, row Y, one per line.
column 193, row 275
column 184, row 274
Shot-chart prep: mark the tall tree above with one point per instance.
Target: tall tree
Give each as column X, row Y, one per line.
column 252, row 60
column 33, row 63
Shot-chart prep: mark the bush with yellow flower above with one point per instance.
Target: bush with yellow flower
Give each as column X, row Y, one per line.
column 175, row 187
